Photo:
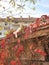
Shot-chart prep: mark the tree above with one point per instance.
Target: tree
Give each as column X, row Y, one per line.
column 18, row 7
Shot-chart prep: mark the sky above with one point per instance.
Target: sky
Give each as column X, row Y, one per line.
column 41, row 8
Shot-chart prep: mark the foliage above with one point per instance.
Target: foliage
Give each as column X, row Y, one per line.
column 13, row 1
column 31, row 1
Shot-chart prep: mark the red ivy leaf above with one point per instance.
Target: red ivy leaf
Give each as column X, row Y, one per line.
column 18, row 40
column 40, row 52
column 13, row 62
column 26, row 35
column 32, row 64
column 19, row 63
column 37, row 22
column 2, row 55
column 21, row 48
column 3, row 43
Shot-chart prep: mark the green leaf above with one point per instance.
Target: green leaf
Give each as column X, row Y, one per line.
column 33, row 8
column 26, row 0
column 33, row 1
column 12, row 2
